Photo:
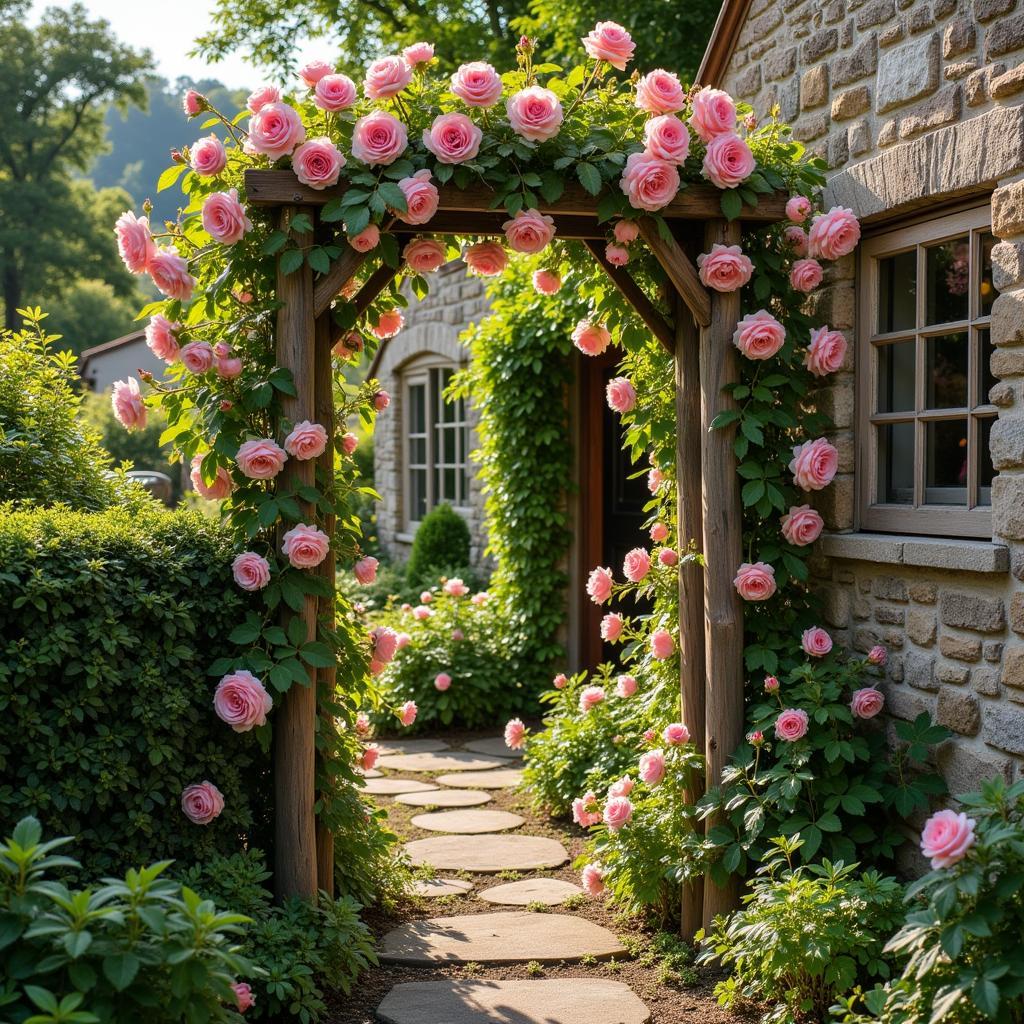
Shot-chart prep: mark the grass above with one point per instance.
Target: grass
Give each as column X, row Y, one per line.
column 537, row 907
column 508, row 876
column 575, row 901
column 533, row 969
column 472, row 968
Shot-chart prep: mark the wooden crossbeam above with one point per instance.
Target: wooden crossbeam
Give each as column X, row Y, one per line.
column 341, row 270
column 464, row 222
column 681, row 272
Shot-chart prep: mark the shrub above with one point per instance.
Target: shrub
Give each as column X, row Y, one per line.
column 441, row 546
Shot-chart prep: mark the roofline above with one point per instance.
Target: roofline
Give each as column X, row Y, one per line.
column 86, row 354
column 724, row 36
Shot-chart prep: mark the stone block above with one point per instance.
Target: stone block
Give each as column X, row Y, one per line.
column 889, row 588
column 1008, row 84
column 837, row 150
column 907, row 73
column 971, row 611
column 819, row 45
column 748, row 82
column 944, row 8
column 833, row 12
column 858, row 138
column 992, row 650
column 986, row 10
column 958, row 38
column 1017, row 613
column 942, row 108
column 920, row 19
column 1001, row 394
column 851, row 103
column 985, row 681
column 857, row 64
column 966, row 555
column 923, row 592
column 1013, row 668
column 919, row 670
column 886, row 615
column 814, row 87
column 1007, row 442
column 958, row 711
column 955, row 675
column 866, row 638
column 1008, row 504
column 960, row 647
column 906, row 704
column 875, row 12
column 954, row 72
column 921, row 626
column 1007, row 363
column 891, row 35
column 965, row 770
column 1008, row 221
column 1008, row 257
column 780, row 64
column 836, row 607
column 1004, row 728
column 1005, row 36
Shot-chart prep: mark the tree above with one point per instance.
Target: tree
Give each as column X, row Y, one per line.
column 89, row 312
column 62, row 75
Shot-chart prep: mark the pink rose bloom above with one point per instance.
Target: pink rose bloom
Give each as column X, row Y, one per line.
column 805, row 275
column 386, row 77
column 201, row 802
column 193, row 103
column 625, row 686
column 652, row 767
column 662, row 644
column 798, row 209
column 305, row 546
column 367, row 239
column 623, row 787
column 126, row 400
column 318, row 163
column 529, row 231
column 407, row 712
column 160, row 338
column 660, row 92
column 592, row 880
column 560, row 681
column 648, row 182
column 421, row 198
column 878, row 655
column 388, row 324
column 362, row 724
column 650, row 735
column 814, row 464
column 477, row 84
column 421, row 612
column 515, row 734
column 241, row 701
column 218, row 490
column 659, row 533
column 610, row 42
column 816, row 642
column 591, row 697
column 946, row 838
column 379, row 138
column 591, row 339
column 535, row 113
column 208, row 157
column 834, row 234
column 759, row 335
column 486, row 259
column 453, row 138
column 714, row 114
column 442, row 681
column 802, row 525
column 547, row 282
column 668, row 557
column 260, row 459
column 771, row 684
column 418, row 53
column 369, row 757
column 224, row 364
column 334, row 92
column 480, row 597
column 655, row 478
column 755, row 581
column 224, row 218
column 275, row 130
column 424, row 255
column 617, row 812
column 625, row 231
column 636, row 565
column 197, row 357
column 349, row 443
column 728, row 161
column 611, row 627
column 667, row 137
column 169, row 272
column 366, row 569
column 725, row 268
column 455, row 587
column 616, row 255
column 797, row 238
column 385, row 643
column 585, row 810
column 250, row 571
column 621, row 394
column 244, row 999
column 426, row 597
column 599, row 585
column 676, row 734
column 791, row 725
column 826, row 352
column 260, row 97
column 867, row 702
column 312, row 72
column 403, row 641
column 306, row 441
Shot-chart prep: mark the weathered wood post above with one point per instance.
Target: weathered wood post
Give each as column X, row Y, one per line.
column 295, row 721
column 723, row 545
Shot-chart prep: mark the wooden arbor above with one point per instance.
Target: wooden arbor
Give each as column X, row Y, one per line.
column 709, row 508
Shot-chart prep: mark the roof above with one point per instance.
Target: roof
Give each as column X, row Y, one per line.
column 109, row 346
column 722, row 44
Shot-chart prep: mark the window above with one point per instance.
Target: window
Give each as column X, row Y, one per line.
column 436, row 439
column 923, row 378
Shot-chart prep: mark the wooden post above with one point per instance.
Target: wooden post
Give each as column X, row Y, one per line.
column 691, row 577
column 723, row 545
column 295, row 720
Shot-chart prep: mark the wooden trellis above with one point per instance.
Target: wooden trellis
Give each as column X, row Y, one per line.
column 699, row 337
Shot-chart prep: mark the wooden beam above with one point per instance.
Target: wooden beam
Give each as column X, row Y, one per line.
column 636, row 297
column 681, row 272
column 723, row 546
column 465, row 222
column 372, row 287
column 341, row 270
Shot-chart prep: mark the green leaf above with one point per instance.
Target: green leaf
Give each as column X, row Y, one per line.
column 590, row 177
column 170, row 176
column 319, row 260
column 731, row 203
column 393, row 196
column 120, row 969
column 291, row 260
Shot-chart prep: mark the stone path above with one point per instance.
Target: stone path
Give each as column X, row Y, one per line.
column 445, row 798
column 487, row 854
column 389, row 787
column 441, row 887
column 453, row 761
column 494, row 746
column 549, row 891
column 388, row 747
column 498, row 778
column 468, row 822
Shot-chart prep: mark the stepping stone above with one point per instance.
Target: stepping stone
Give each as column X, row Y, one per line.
column 445, row 798
column 497, row 778
column 369, row 773
column 549, row 891
column 494, row 746
column 452, row 761
column 510, row 937
column 468, row 822
column 388, row 747
column 441, row 887
column 549, row 1001
column 487, row 854
column 389, row 787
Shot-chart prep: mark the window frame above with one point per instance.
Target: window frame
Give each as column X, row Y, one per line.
column 923, row 519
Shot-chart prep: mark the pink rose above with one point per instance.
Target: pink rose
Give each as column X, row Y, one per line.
column 814, row 464
column 805, row 275
column 611, row 627
column 662, row 644
column 714, row 114
column 197, row 357
column 386, row 77
column 515, row 734
column 648, row 182
column 317, row 163
column 617, row 812
column 547, row 282
column 421, row 198
column 244, row 999
column 797, row 239
column 652, row 767
column 676, row 734
column 668, row 557
column 334, row 92
column 305, row 546
column 659, row 533
column 660, row 92
column 826, row 352
column 878, row 655
column 599, row 585
column 946, row 838
column 802, row 525
column 771, row 684
column 260, row 97
column 477, row 84
column 610, row 42
column 529, row 231
column 381, row 400
column 224, row 218
column 418, row 53
column 535, row 113
column 250, row 571
column 759, row 335
column 650, row 735
column 486, row 259
column 407, row 713
column 126, row 400
column 560, row 681
column 655, row 478
column 424, row 255
column 592, row 879
column 453, row 138
column 623, row 787
column 626, row 231
column 366, row 569
column 480, row 597
column 426, row 597
column 161, row 340
column 385, row 644
column 867, row 702
column 442, row 681
column 755, row 581
column 193, row 103
column 388, row 324
column 816, row 642
column 636, row 565
column 667, row 137
column 725, row 268
column 369, row 757
column 201, row 802
column 791, row 725
column 275, row 130
column 169, row 272
column 625, row 686
column 367, row 239
column 227, row 366
column 621, row 394
column 616, row 255
column 455, row 587
column 260, row 459
column 312, row 72
column 208, row 157
column 586, row 811
column 362, row 724
column 728, row 161
column 241, row 701
column 591, row 339
column 834, row 234
column 421, row 612
column 349, row 443
column 219, row 489
column 403, row 641
column 591, row 697
column 798, row 209
column 379, row 138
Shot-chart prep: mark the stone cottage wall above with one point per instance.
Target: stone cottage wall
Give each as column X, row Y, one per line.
column 912, row 102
